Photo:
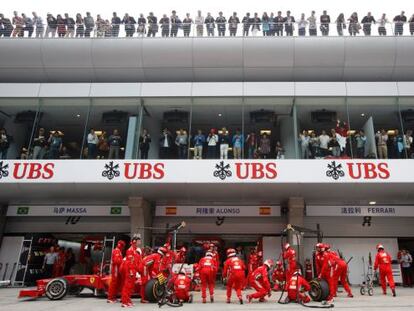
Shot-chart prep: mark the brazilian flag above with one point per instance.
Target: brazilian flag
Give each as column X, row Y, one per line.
column 23, row 210
column 116, row 210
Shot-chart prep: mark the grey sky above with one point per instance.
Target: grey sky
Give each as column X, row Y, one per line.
column 105, row 8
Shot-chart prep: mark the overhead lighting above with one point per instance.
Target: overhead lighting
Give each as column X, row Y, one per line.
column 372, row 202
column 362, row 114
column 220, row 115
column 78, row 115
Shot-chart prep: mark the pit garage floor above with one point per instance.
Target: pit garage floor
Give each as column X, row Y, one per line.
column 404, row 301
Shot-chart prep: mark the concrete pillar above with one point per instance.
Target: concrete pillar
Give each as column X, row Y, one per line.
column 296, row 212
column 3, row 213
column 140, row 216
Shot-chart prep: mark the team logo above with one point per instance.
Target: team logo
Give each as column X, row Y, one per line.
column 222, row 171
column 335, row 170
column 111, row 170
column 4, row 170
column 92, row 280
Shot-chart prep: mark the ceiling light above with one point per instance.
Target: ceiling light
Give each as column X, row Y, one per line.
column 362, row 114
column 372, row 202
column 78, row 115
column 219, row 114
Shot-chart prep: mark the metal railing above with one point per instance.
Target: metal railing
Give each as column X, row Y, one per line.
column 102, row 29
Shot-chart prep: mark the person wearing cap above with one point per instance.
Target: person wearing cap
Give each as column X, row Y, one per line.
column 208, row 268
column 233, row 270
column 296, row 288
column 383, row 262
column 182, row 285
column 116, row 261
column 289, row 254
column 260, row 282
column 278, row 276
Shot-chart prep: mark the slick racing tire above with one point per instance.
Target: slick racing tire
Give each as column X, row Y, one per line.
column 57, row 289
column 153, row 290
column 319, row 290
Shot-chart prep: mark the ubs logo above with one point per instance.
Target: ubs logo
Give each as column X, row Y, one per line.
column 4, row 170
column 111, row 170
column 335, row 170
column 222, row 171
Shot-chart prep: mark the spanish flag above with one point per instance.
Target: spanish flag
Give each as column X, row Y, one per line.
column 265, row 211
column 170, row 210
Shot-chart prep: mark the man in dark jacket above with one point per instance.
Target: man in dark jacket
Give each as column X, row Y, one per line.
column 279, row 20
column 367, row 22
column 209, row 21
column 89, row 24
column 289, row 24
column 115, row 22
column 399, row 21
column 152, row 25
column 51, row 25
column 166, row 144
column 325, row 21
column 221, row 24
column 70, row 24
column 175, row 24
column 165, row 26
column 129, row 22
column 246, row 21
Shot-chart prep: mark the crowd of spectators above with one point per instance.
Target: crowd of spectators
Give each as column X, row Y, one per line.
column 214, row 144
column 222, row 144
column 272, row 24
column 339, row 141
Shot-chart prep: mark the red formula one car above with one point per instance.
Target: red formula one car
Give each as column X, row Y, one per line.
column 57, row 288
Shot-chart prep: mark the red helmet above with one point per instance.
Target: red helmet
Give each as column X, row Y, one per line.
column 286, row 246
column 327, row 246
column 380, row 246
column 121, row 244
column 279, row 263
column 162, row 250
column 269, row 263
column 231, row 252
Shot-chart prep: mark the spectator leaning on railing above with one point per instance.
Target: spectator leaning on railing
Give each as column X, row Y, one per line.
column 267, row 23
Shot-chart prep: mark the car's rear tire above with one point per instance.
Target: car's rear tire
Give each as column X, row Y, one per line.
column 153, row 290
column 319, row 290
column 57, row 289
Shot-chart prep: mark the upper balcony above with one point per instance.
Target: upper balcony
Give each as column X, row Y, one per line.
column 103, row 58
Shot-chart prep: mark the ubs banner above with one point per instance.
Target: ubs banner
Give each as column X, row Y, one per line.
column 207, row 171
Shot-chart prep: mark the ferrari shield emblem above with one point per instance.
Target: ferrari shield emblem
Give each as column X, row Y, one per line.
column 92, row 280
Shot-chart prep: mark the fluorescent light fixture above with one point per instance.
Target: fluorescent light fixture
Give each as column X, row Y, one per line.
column 220, row 115
column 372, row 202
